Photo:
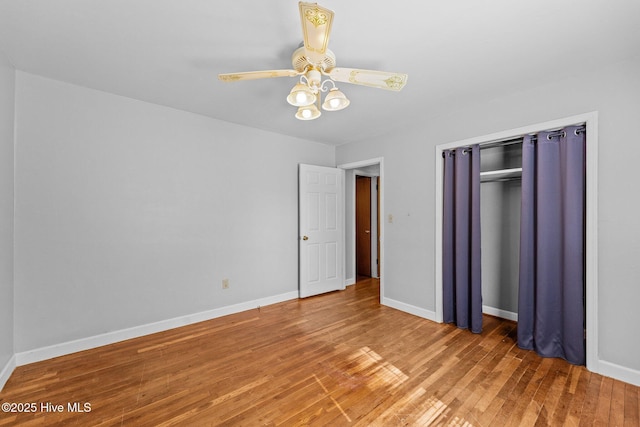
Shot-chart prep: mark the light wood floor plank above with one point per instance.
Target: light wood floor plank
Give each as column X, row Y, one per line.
column 604, row 403
column 339, row 359
column 631, row 406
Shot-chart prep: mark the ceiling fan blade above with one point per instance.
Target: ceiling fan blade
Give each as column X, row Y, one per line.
column 253, row 75
column 379, row 79
column 316, row 28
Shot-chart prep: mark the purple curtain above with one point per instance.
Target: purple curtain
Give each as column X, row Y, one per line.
column 462, row 295
column 551, row 289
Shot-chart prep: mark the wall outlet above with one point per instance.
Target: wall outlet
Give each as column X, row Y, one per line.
column 225, row 283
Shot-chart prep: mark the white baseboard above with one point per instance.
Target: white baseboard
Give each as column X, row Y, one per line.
column 408, row 308
column 504, row 314
column 49, row 352
column 7, row 371
column 628, row 375
column 350, row 281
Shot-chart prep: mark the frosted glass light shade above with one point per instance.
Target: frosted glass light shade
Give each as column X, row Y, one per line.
column 301, row 96
column 335, row 101
column 308, row 112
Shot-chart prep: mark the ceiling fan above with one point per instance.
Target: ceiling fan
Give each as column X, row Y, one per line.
column 312, row 61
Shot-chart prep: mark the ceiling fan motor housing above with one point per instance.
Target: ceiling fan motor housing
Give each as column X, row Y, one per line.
column 301, row 61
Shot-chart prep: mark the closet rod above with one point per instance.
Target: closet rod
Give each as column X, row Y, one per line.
column 501, row 175
column 502, row 143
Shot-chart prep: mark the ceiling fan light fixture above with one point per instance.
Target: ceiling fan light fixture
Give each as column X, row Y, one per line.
column 308, row 112
column 335, row 100
column 301, row 96
column 312, row 62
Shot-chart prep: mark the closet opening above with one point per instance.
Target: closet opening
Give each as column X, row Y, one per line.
column 501, row 195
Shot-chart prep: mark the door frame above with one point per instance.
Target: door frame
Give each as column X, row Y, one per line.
column 360, row 164
column 591, row 226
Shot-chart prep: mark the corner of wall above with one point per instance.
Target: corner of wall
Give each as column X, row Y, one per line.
column 8, row 117
column 6, row 371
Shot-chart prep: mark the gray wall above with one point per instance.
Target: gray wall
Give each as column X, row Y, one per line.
column 128, row 213
column 614, row 91
column 7, row 79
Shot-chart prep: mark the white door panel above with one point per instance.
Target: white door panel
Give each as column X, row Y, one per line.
column 321, row 224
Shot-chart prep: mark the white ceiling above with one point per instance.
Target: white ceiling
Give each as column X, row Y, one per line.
column 170, row 52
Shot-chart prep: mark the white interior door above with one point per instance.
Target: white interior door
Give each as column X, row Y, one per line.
column 321, row 226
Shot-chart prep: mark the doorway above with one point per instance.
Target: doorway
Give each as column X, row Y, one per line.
column 374, row 169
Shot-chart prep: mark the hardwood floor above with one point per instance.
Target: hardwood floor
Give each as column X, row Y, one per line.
column 339, row 359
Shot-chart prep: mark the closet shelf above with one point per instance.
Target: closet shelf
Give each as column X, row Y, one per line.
column 501, row 175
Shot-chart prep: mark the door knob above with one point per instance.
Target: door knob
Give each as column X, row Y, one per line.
column 305, row 238
column 367, row 231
